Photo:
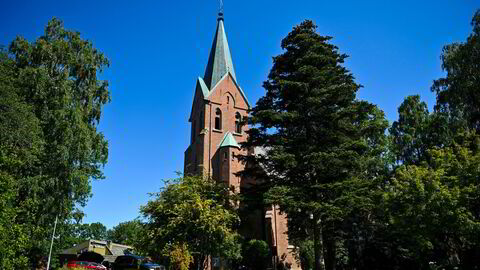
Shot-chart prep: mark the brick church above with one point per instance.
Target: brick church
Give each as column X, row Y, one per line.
column 219, row 106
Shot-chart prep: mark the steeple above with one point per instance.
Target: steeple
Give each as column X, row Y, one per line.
column 220, row 59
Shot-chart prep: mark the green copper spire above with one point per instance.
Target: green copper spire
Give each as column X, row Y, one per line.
column 220, row 60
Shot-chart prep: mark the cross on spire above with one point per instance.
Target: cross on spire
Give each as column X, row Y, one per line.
column 220, row 11
column 220, row 59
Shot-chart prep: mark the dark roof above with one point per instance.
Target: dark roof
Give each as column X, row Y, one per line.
column 132, row 255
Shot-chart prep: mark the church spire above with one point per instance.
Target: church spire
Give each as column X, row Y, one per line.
column 220, row 59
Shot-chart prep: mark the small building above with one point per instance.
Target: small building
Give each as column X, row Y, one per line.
column 109, row 250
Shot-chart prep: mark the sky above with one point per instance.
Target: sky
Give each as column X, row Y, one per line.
column 158, row 48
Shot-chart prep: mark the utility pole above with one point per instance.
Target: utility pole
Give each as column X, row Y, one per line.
column 51, row 243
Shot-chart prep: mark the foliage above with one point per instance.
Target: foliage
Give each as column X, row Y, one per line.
column 179, row 256
column 255, row 254
column 20, row 144
column 320, row 141
column 428, row 215
column 127, row 233
column 193, row 212
column 50, row 149
column 457, row 93
column 433, row 210
column 305, row 254
column 94, row 230
column 410, row 132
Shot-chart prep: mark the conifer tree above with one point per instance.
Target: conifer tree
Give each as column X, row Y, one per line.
column 322, row 145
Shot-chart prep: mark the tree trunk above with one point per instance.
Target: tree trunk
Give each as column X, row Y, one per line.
column 330, row 251
column 317, row 244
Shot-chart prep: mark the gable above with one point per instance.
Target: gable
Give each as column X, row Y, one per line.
column 228, row 84
column 201, row 91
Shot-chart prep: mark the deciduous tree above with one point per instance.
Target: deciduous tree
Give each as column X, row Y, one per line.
column 50, row 147
column 192, row 213
column 457, row 93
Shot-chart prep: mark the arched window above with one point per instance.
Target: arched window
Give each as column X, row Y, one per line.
column 218, row 119
column 238, row 123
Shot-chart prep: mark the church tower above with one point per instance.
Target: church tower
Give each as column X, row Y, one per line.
column 219, row 106
column 218, row 109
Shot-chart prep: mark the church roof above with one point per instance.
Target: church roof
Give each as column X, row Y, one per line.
column 220, row 59
column 229, row 140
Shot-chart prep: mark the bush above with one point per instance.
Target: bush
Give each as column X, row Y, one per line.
column 255, row 253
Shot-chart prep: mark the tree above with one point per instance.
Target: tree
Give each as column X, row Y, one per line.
column 96, row 231
column 432, row 211
column 20, row 146
column 255, row 254
column 179, row 257
column 127, row 233
column 457, row 93
column 322, row 145
column 192, row 214
column 51, row 148
column 409, row 133
column 430, row 203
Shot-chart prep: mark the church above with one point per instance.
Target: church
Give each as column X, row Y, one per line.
column 218, row 108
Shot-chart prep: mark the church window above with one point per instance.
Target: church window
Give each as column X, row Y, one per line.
column 228, row 100
column 225, row 155
column 238, row 124
column 218, row 119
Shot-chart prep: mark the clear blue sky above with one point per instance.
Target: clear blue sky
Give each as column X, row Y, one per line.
column 158, row 49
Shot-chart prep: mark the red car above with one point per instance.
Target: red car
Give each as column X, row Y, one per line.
column 86, row 265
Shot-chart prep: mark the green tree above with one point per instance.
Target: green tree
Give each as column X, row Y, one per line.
column 96, row 231
column 179, row 256
column 255, row 254
column 322, row 145
column 128, row 233
column 432, row 211
column 457, row 93
column 51, row 149
column 192, row 212
column 20, row 145
column 410, row 132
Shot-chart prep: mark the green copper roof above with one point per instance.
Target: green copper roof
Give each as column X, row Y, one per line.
column 220, row 60
column 203, row 86
column 229, row 140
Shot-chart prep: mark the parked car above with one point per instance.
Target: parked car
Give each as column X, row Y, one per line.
column 131, row 262
column 99, row 266
column 85, row 265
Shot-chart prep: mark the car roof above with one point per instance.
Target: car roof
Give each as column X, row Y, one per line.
column 132, row 255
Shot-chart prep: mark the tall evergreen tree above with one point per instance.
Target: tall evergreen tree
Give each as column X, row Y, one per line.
column 410, row 132
column 322, row 145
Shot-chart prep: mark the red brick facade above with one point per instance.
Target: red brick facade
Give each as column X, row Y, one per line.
column 204, row 155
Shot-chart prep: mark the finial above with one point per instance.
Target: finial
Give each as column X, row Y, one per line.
column 220, row 11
